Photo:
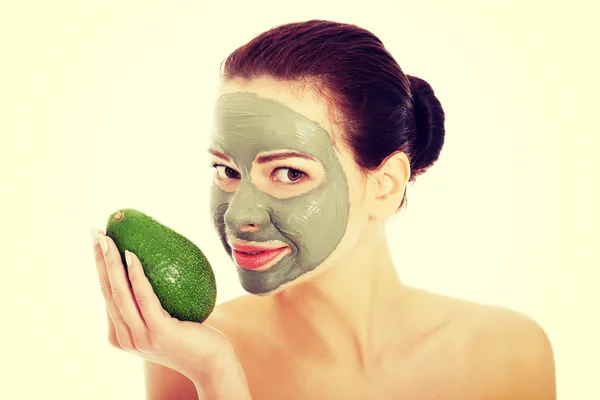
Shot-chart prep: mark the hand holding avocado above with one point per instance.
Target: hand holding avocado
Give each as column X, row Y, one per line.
column 156, row 305
column 178, row 271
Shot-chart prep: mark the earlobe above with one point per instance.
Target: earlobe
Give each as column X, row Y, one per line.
column 388, row 185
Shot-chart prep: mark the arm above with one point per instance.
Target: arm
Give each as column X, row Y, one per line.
column 225, row 382
column 163, row 383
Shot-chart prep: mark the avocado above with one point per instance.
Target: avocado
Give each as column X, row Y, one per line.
column 178, row 271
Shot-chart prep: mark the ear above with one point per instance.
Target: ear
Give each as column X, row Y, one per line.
column 387, row 185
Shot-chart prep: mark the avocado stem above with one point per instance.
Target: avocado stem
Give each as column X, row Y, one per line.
column 119, row 216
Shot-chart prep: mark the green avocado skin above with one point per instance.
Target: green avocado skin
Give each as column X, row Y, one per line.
column 178, row 271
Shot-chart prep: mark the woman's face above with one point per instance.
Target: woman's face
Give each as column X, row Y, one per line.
column 284, row 200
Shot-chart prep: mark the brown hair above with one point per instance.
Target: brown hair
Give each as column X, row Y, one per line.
column 383, row 110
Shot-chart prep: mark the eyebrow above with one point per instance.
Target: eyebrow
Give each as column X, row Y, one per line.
column 219, row 154
column 267, row 157
column 281, row 156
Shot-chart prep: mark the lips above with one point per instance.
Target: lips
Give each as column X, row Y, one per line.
column 254, row 256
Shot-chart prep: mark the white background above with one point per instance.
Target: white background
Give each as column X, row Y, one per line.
column 107, row 104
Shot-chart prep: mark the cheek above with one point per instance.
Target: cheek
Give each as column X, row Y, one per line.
column 305, row 222
column 358, row 216
column 348, row 242
column 296, row 217
column 357, row 196
column 218, row 204
column 357, row 184
column 356, row 225
column 227, row 185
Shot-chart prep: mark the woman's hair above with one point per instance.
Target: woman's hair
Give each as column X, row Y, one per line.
column 380, row 109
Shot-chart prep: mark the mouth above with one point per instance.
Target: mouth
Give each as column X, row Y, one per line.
column 258, row 257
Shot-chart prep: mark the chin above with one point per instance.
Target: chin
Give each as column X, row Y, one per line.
column 306, row 277
column 268, row 284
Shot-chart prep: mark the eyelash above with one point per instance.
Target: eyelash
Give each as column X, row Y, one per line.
column 215, row 165
column 304, row 174
column 302, row 179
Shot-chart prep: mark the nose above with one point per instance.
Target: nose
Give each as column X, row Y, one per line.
column 249, row 228
column 246, row 213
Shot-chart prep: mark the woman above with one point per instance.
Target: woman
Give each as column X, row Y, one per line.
column 317, row 133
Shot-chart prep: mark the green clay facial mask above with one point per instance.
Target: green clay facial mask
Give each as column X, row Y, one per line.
column 310, row 223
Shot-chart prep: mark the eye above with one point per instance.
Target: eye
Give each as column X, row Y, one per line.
column 288, row 175
column 225, row 172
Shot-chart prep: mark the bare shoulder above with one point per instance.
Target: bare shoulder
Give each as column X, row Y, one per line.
column 512, row 353
column 508, row 354
column 166, row 384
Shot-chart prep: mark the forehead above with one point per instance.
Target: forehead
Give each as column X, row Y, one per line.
column 245, row 122
column 257, row 118
column 293, row 96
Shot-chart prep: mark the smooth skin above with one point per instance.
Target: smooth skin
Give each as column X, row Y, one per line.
column 351, row 329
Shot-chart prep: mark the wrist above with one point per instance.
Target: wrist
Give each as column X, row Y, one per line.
column 222, row 389
column 222, row 381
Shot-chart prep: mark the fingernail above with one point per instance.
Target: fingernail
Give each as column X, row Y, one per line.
column 128, row 258
column 94, row 237
column 103, row 243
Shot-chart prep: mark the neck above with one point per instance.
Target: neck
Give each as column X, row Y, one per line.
column 344, row 311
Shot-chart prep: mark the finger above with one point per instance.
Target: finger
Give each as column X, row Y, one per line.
column 123, row 295
column 122, row 330
column 149, row 305
column 112, row 333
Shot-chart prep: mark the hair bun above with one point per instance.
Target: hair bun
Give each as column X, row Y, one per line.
column 429, row 123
